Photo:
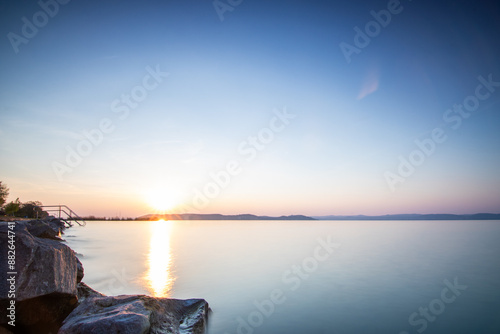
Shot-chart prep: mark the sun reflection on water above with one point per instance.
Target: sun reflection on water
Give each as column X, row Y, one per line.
column 159, row 276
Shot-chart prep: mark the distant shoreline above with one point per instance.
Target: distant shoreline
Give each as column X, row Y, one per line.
column 192, row 216
column 440, row 216
column 250, row 217
column 196, row 216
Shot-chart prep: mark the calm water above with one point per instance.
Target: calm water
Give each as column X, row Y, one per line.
column 307, row 277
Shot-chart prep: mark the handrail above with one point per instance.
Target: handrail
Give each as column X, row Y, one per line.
column 71, row 215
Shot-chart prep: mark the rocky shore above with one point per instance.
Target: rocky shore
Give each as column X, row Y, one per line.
column 41, row 291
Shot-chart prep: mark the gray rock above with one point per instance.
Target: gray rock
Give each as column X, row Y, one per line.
column 56, row 222
column 137, row 314
column 79, row 271
column 85, row 291
column 44, row 229
column 46, row 278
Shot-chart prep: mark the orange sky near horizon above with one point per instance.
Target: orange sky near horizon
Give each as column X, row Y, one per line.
column 161, row 105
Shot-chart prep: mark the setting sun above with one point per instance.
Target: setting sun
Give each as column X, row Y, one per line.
column 162, row 200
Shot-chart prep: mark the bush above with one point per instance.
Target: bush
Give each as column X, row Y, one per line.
column 31, row 210
column 4, row 192
column 12, row 208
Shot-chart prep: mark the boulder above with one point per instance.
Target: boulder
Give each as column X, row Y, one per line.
column 45, row 279
column 61, row 224
column 85, row 291
column 44, row 229
column 79, row 271
column 137, row 314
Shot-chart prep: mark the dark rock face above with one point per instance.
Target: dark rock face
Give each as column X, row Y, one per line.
column 137, row 314
column 44, row 267
column 124, row 314
column 85, row 291
column 79, row 271
column 44, row 229
column 46, row 277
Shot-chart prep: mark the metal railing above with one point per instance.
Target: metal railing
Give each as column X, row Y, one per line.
column 71, row 216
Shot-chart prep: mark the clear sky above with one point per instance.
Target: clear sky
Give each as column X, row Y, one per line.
column 264, row 107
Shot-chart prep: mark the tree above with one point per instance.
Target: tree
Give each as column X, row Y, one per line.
column 31, row 209
column 4, row 192
column 12, row 207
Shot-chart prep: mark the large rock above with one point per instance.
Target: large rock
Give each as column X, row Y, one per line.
column 46, row 281
column 85, row 291
column 137, row 314
column 79, row 271
column 44, row 229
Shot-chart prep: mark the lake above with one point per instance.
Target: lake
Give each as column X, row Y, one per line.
column 306, row 276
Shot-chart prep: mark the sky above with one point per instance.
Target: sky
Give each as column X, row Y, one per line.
column 123, row 108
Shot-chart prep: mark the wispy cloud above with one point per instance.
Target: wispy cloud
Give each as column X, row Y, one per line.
column 370, row 84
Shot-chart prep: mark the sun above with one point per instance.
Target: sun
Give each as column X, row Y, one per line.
column 162, row 200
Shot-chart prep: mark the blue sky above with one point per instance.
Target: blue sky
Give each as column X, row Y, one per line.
column 226, row 82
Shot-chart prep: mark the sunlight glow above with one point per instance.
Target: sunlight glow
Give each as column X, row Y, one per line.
column 162, row 199
column 159, row 276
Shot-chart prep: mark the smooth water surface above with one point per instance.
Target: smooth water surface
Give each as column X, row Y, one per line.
column 307, row 276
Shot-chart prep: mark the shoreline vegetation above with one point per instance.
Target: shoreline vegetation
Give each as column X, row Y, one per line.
column 45, row 293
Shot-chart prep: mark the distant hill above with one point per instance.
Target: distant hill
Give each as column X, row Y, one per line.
column 442, row 216
column 195, row 216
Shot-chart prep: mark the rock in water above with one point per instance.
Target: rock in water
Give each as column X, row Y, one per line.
column 44, row 229
column 137, row 314
column 46, row 281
